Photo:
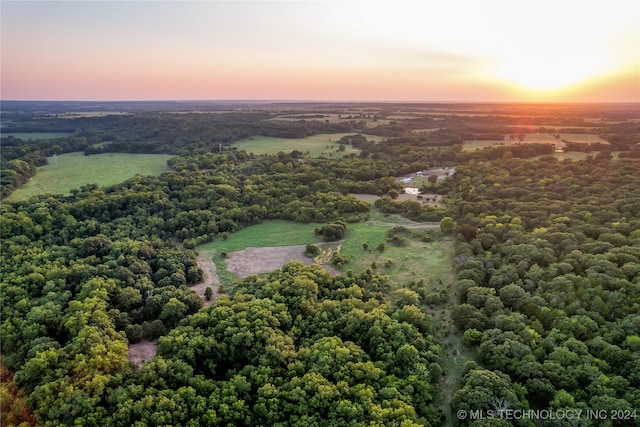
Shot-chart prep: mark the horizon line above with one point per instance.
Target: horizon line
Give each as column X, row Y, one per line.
column 318, row 101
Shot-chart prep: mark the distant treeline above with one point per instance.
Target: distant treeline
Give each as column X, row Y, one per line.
column 198, row 133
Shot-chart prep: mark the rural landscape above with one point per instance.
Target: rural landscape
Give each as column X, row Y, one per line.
column 264, row 263
column 316, row 213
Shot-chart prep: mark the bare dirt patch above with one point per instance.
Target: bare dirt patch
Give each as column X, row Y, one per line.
column 251, row 261
column 430, row 199
column 211, row 279
column 142, row 352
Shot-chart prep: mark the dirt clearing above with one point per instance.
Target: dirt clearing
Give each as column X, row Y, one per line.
column 142, row 352
column 251, row 261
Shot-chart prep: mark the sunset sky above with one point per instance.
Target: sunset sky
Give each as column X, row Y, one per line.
column 321, row 50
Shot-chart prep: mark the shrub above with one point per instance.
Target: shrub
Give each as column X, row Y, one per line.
column 312, row 250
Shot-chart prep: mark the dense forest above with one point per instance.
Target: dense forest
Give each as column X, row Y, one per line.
column 547, row 259
column 548, row 266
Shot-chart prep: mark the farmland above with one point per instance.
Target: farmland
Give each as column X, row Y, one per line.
column 74, row 170
column 314, row 146
column 516, row 276
column 538, row 138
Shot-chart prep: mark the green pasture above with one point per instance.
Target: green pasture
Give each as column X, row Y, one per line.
column 418, row 259
column 415, row 260
column 269, row 233
column 73, row 170
column 316, row 146
column 36, row 135
column 538, row 138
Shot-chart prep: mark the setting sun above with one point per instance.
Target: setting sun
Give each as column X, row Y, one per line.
column 549, row 74
column 431, row 50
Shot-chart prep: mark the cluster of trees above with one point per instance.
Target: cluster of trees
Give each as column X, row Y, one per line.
column 19, row 158
column 523, row 151
column 548, row 263
column 415, row 211
column 173, row 133
column 295, row 347
column 86, row 274
column 332, row 231
column 13, row 174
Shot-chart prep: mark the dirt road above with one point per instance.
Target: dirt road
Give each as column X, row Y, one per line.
column 211, row 279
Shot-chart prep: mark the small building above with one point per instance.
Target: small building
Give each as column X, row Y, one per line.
column 412, row 190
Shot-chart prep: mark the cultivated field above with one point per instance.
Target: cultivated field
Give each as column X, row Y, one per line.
column 73, row 170
column 317, row 145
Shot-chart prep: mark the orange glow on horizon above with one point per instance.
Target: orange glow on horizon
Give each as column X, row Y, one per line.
column 428, row 51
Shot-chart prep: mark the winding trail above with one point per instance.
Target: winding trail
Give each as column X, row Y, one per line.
column 145, row 350
column 211, row 279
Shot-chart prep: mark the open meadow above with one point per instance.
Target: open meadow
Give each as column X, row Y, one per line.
column 537, row 138
column 315, row 146
column 419, row 252
column 269, row 233
column 73, row 170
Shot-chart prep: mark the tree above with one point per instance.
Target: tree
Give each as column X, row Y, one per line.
column 312, row 250
column 488, row 390
column 334, row 231
column 447, row 225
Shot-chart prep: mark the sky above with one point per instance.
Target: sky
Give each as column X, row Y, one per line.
column 457, row 51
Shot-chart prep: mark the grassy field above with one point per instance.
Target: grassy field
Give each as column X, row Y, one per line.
column 540, row 138
column 269, row 233
column 315, row 146
column 416, row 259
column 36, row 135
column 73, row 170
